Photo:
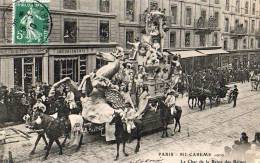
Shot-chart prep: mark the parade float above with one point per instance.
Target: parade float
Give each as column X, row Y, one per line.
column 153, row 70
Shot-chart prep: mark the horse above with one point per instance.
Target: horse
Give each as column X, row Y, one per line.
column 193, row 97
column 122, row 135
column 202, row 96
column 166, row 117
column 55, row 128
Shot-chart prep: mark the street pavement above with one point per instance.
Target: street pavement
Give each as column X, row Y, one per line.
column 206, row 131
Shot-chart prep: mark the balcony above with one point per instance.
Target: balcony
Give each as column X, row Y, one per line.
column 238, row 31
column 203, row 25
column 170, row 20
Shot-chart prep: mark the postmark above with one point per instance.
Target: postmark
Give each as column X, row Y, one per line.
column 32, row 22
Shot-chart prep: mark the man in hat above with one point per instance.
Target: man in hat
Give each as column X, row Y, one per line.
column 39, row 105
column 235, row 94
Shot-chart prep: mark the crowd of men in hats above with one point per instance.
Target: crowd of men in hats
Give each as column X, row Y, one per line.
column 16, row 103
column 222, row 76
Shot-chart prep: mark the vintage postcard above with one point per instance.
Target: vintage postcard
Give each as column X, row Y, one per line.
column 134, row 81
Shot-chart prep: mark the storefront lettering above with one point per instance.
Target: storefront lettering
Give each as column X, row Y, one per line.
column 22, row 51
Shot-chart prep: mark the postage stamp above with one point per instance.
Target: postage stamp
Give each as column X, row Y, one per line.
column 31, row 22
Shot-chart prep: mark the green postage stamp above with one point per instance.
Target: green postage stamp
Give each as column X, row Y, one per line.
column 31, row 21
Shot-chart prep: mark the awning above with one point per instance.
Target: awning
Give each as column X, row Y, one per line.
column 188, row 54
column 213, row 51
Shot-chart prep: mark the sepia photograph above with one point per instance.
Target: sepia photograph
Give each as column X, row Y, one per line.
column 129, row 81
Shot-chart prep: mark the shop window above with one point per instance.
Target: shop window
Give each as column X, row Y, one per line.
column 172, row 39
column 82, row 67
column 174, row 10
column 70, row 31
column 18, row 75
column 66, row 67
column 187, row 39
column 188, row 16
column 130, row 10
column 38, row 69
column 202, row 40
column 100, row 62
column 104, row 5
column 129, row 38
column 104, row 31
column 70, row 4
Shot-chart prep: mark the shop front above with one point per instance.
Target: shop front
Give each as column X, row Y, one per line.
column 74, row 63
column 26, row 66
column 22, row 67
column 213, row 58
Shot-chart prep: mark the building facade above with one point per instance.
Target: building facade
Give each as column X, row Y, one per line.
column 240, row 32
column 83, row 27
column 80, row 29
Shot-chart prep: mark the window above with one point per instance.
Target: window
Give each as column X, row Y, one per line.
column 70, row 4
column 225, row 44
column 258, row 43
column 227, row 5
column 215, row 39
column 154, row 5
column 202, row 40
column 104, row 5
column 174, row 14
column 246, row 25
column 66, row 67
column 226, row 24
column 130, row 10
column 188, row 16
column 203, row 14
column 216, row 16
column 253, row 26
column 246, row 7
column 252, row 42
column 245, row 43
column 70, row 30
column 253, row 9
column 187, row 39
column 235, row 43
column 104, row 30
column 216, row 1
column 172, row 39
column 129, row 38
column 238, row 6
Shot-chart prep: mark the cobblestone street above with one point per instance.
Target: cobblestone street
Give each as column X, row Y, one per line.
column 206, row 131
